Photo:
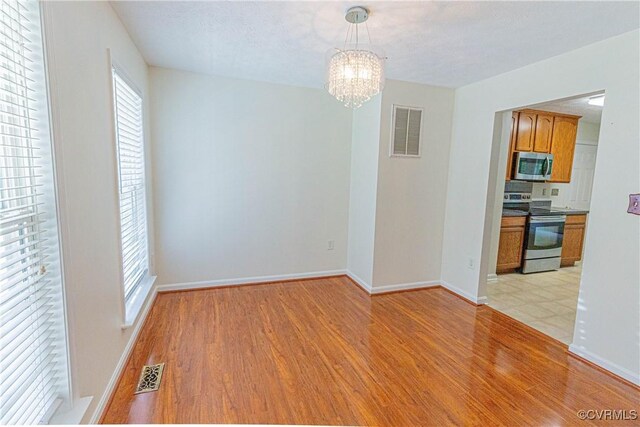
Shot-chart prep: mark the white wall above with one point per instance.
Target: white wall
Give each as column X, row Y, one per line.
column 587, row 133
column 608, row 319
column 78, row 35
column 503, row 124
column 411, row 192
column 364, row 188
column 250, row 179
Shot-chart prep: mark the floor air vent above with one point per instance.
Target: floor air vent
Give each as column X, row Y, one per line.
column 150, row 378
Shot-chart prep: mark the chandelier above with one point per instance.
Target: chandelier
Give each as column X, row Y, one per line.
column 355, row 74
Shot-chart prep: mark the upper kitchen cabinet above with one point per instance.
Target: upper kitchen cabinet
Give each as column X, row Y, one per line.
column 544, row 132
column 544, row 129
column 563, row 144
column 525, row 131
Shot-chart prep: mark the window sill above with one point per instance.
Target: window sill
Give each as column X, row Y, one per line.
column 133, row 307
column 73, row 415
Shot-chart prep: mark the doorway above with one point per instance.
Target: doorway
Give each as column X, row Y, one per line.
column 525, row 281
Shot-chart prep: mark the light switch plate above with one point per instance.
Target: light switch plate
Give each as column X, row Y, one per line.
column 634, row 204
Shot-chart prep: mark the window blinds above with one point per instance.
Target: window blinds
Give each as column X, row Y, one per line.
column 133, row 215
column 33, row 370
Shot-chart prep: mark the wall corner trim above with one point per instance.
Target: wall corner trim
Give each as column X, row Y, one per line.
column 115, row 377
column 376, row 290
column 613, row 368
column 404, row 287
column 463, row 294
column 358, row 281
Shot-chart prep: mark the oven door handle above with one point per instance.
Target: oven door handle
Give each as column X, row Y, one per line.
column 546, row 219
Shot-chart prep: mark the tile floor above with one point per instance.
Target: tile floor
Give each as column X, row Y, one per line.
column 545, row 301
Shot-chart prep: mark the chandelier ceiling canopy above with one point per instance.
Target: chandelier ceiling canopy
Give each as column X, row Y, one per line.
column 355, row 73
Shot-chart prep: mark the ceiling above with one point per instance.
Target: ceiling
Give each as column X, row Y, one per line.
column 440, row 43
column 578, row 106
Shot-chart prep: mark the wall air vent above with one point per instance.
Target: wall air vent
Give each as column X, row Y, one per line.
column 407, row 127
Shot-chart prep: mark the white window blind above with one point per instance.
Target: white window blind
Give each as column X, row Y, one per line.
column 133, row 212
column 33, row 357
column 407, row 124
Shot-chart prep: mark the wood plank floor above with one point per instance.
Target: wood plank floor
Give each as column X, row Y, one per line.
column 324, row 352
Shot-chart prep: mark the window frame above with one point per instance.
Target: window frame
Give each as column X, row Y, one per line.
column 51, row 213
column 130, row 307
column 392, row 127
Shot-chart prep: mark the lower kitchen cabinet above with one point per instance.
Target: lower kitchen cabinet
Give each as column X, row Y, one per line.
column 512, row 231
column 573, row 239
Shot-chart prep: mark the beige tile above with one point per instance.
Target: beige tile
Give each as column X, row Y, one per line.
column 547, row 294
column 557, row 308
column 560, row 322
column 532, row 297
column 535, row 311
column 519, row 315
column 548, row 329
column 571, row 303
column 546, row 301
column 505, row 303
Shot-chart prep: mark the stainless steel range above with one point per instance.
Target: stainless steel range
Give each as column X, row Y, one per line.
column 545, row 231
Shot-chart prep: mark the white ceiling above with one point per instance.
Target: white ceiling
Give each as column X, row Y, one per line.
column 578, row 106
column 439, row 43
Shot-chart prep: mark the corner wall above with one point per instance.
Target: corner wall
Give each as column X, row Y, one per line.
column 397, row 204
column 411, row 193
column 251, row 179
column 363, row 191
column 608, row 319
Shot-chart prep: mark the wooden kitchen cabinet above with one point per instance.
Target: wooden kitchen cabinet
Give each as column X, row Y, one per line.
column 573, row 240
column 526, row 131
column 544, row 132
column 512, row 231
column 542, row 136
column 563, row 144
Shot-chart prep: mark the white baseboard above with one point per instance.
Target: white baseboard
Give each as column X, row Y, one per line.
column 603, row 363
column 371, row 290
column 113, row 381
column 404, row 287
column 464, row 294
column 492, row 277
column 364, row 285
column 246, row 280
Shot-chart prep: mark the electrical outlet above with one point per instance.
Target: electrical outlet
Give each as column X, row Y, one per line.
column 330, row 245
column 555, row 191
column 544, row 191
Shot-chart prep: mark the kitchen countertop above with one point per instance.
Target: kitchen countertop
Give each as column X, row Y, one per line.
column 548, row 211
column 569, row 211
column 514, row 212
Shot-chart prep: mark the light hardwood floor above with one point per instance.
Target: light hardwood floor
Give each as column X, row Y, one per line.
column 325, row 352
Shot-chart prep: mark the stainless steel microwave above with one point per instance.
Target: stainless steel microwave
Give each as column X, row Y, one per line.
column 533, row 166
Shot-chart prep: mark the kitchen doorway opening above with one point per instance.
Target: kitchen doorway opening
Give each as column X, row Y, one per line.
column 542, row 168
